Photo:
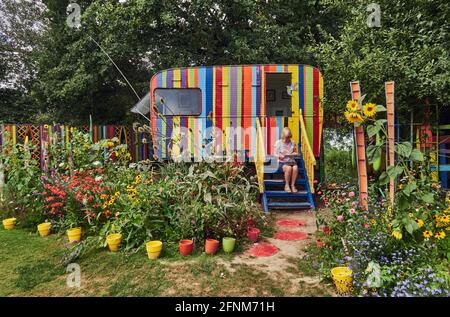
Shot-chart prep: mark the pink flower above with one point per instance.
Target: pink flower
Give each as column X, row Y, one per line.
column 343, row 194
column 366, row 226
column 352, row 211
column 340, row 218
column 353, row 204
column 351, row 194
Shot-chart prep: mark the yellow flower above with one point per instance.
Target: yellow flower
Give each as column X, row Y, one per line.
column 370, row 110
column 353, row 117
column 138, row 179
column 397, row 235
column 117, row 194
column 352, row 105
column 109, row 144
column 420, row 223
column 445, row 219
column 428, row 234
column 103, row 196
column 440, row 235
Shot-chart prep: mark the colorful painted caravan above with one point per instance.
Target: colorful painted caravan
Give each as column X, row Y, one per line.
column 198, row 99
column 241, row 109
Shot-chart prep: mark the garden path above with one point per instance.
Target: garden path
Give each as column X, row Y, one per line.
column 284, row 263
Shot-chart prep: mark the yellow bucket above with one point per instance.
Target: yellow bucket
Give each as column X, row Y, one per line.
column 74, row 234
column 154, row 249
column 44, row 229
column 114, row 241
column 342, row 277
column 9, row 223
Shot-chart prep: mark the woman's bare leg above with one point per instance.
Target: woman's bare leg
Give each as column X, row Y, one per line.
column 287, row 176
column 294, row 178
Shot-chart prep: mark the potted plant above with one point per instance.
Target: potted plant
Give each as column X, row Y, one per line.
column 342, row 278
column 211, row 246
column 228, row 244
column 114, row 239
column 154, row 249
column 74, row 234
column 186, row 247
column 9, row 223
column 253, row 234
column 44, row 229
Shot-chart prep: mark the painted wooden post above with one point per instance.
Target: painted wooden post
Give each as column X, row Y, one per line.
column 360, row 151
column 390, row 105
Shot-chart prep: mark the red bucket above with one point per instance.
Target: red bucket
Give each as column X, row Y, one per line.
column 253, row 234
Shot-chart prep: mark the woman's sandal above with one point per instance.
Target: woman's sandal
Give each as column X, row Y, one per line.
column 294, row 190
column 287, row 189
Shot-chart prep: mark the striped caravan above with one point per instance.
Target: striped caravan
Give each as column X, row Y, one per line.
column 189, row 102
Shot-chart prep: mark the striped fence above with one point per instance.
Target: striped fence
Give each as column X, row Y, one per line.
column 137, row 139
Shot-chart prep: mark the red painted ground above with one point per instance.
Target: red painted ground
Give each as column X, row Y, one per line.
column 263, row 249
column 291, row 223
column 290, row 235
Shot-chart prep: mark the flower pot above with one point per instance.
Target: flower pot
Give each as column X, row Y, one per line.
column 154, row 249
column 186, row 247
column 9, row 223
column 44, row 229
column 342, row 277
column 211, row 246
column 253, row 234
column 228, row 244
column 113, row 241
column 74, row 234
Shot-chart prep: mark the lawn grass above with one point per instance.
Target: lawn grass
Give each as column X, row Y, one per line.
column 31, row 266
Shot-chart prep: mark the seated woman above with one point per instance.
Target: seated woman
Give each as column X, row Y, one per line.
column 283, row 149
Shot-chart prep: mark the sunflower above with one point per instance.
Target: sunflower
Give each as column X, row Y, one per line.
column 397, row 235
column 420, row 223
column 370, row 110
column 353, row 117
column 445, row 219
column 352, row 105
column 440, row 235
column 427, row 234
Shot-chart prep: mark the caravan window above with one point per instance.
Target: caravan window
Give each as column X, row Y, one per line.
column 178, row 101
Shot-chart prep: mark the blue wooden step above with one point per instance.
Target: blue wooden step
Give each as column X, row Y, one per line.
column 301, row 171
column 289, row 205
column 281, row 182
column 282, row 193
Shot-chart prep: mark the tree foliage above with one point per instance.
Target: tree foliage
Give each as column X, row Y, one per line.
column 411, row 47
column 66, row 77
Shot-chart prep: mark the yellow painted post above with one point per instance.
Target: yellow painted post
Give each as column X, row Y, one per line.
column 260, row 156
column 307, row 152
